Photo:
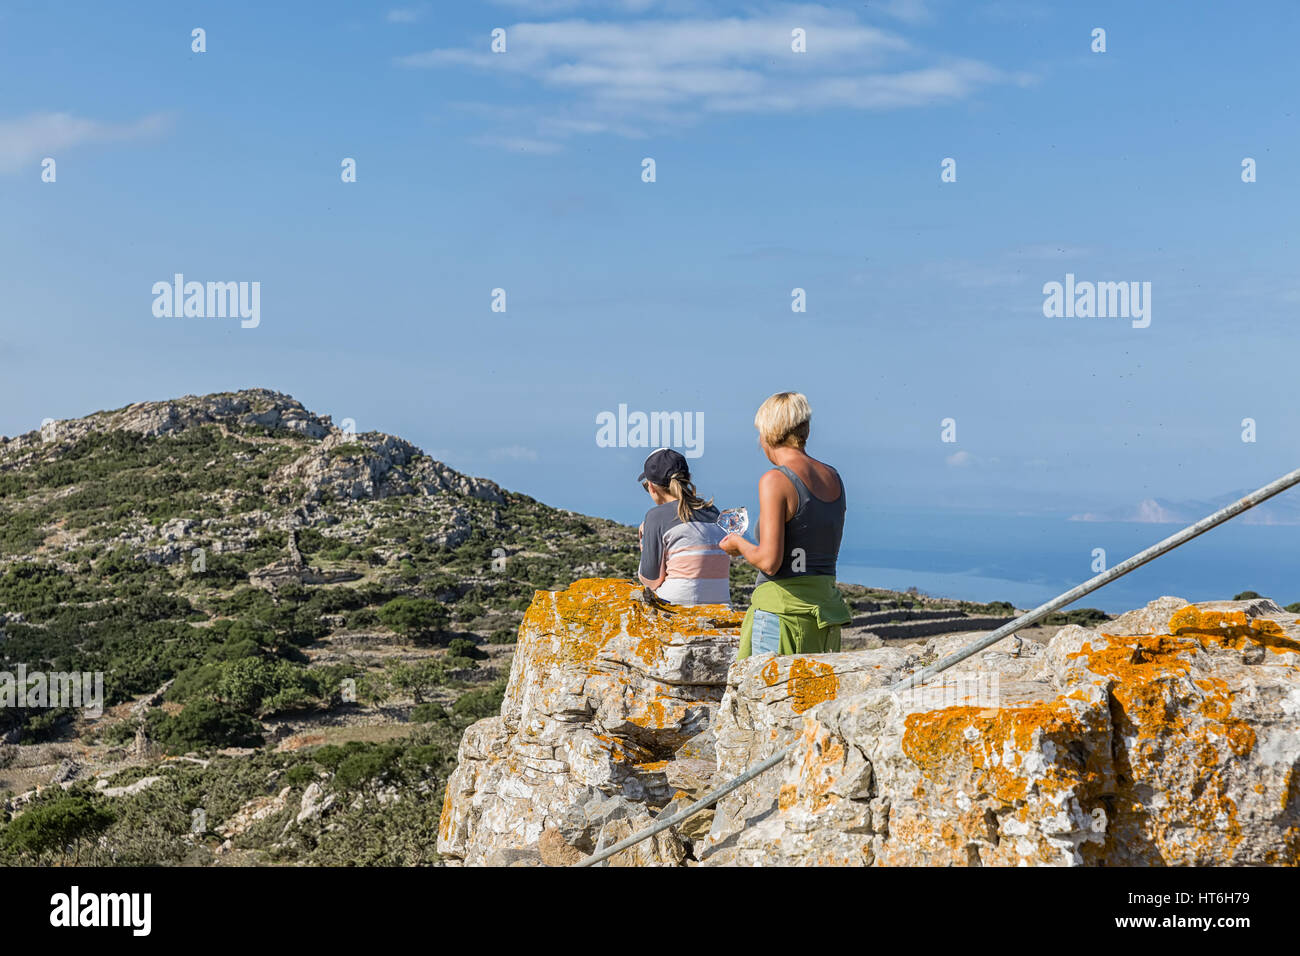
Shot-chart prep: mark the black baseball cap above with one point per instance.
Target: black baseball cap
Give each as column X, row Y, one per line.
column 661, row 465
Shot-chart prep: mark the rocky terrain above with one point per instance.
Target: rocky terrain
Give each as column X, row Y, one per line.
column 296, row 624
column 1168, row 736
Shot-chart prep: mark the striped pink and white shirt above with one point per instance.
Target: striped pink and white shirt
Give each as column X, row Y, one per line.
column 680, row 560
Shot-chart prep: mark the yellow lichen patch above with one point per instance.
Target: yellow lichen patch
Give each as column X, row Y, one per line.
column 621, row 750
column 823, row 760
column 660, row 710
column 1231, row 629
column 571, row 630
column 937, row 739
column 444, row 818
column 1241, row 736
column 810, row 683
column 1289, row 852
column 650, row 650
column 615, row 747
column 788, row 796
column 948, row 834
column 1158, row 711
column 771, row 672
column 654, row 715
column 591, row 611
column 1138, row 659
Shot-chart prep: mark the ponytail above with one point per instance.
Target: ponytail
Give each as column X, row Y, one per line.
column 683, row 489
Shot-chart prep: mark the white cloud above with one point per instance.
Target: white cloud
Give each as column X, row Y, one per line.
column 29, row 139
column 626, row 77
column 960, row 459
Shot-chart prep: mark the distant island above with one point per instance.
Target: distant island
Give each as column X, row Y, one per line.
column 1282, row 510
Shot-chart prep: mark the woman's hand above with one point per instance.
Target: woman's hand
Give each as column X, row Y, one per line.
column 731, row 544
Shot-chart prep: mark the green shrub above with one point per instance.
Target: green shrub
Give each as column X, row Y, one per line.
column 54, row 826
column 416, row 618
column 1083, row 616
column 477, row 704
column 300, row 775
column 205, row 724
column 429, row 712
column 463, row 647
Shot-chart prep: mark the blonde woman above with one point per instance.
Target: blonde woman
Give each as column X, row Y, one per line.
column 796, row 607
column 680, row 560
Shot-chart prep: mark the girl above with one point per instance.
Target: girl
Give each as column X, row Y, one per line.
column 680, row 559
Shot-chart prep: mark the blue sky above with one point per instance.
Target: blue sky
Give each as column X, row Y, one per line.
column 775, row 171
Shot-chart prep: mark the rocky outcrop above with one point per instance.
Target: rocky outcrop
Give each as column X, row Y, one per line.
column 1170, row 736
column 341, row 464
column 251, row 408
column 374, row 465
column 607, row 698
column 1173, row 744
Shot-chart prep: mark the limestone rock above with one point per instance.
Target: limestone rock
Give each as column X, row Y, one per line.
column 255, row 810
column 601, row 822
column 126, row 790
column 1175, row 746
column 604, row 692
column 314, row 802
column 1151, row 619
column 1169, row 736
column 761, row 711
column 375, row 465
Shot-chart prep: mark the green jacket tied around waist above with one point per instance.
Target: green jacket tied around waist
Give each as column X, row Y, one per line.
column 809, row 610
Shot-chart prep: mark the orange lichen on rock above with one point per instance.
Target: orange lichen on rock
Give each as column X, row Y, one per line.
column 1231, row 629
column 1139, row 659
column 1158, row 710
column 788, row 796
column 810, row 683
column 654, row 714
column 444, row 818
column 994, row 743
column 821, row 773
column 818, row 772
column 650, row 650
column 591, row 611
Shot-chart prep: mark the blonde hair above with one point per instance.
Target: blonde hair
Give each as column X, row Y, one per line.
column 683, row 489
column 784, row 420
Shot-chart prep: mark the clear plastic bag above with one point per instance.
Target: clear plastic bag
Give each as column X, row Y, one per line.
column 734, row 520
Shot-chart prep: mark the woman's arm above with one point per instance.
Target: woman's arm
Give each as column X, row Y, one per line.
column 653, row 558
column 772, row 506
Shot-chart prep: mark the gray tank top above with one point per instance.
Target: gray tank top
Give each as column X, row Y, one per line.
column 815, row 529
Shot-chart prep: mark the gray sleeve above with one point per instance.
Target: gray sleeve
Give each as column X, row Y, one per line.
column 652, row 547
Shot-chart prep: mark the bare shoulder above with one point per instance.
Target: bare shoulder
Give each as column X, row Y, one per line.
column 774, row 480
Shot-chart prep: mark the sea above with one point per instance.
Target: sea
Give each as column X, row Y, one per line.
column 1029, row 559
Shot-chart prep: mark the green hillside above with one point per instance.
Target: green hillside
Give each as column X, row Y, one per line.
column 289, row 604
